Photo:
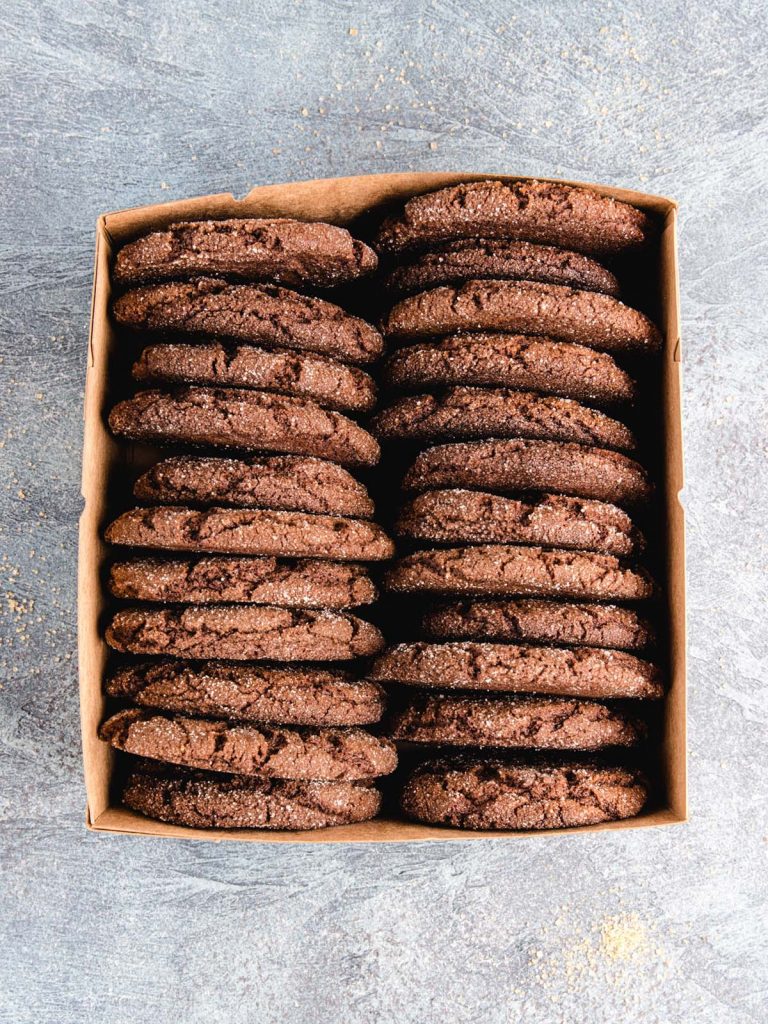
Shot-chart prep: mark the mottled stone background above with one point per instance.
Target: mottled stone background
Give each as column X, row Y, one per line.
column 108, row 105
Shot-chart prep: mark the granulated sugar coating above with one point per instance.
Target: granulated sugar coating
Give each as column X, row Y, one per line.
column 516, row 668
column 250, row 532
column 509, row 569
column 522, row 465
column 474, row 792
column 515, row 722
column 281, row 482
column 462, row 412
column 206, row 800
column 513, row 361
column 243, row 633
column 534, row 211
column 479, row 258
column 248, row 420
column 260, row 314
column 531, row 619
column 294, row 583
column 524, row 307
column 290, row 252
column 281, row 752
column 329, row 383
column 552, row 520
column 292, row 695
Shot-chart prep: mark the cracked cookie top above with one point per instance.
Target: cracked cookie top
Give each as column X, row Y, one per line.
column 545, row 212
column 265, row 315
column 290, row 252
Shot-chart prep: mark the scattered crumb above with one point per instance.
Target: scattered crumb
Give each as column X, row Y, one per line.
column 620, row 952
column 623, row 937
column 19, row 605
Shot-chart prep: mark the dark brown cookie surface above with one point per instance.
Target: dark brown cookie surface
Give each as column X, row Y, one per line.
column 280, row 752
column 524, row 307
column 513, row 361
column 549, row 213
column 301, row 695
column 477, row 258
column 203, row 800
column 236, row 418
column 262, row 315
column 494, row 794
column 238, row 531
column 509, row 569
column 522, row 465
column 294, row 583
column 516, row 668
column 243, row 633
column 468, row 413
column 282, row 482
column 325, row 381
column 550, row 520
column 547, row 622
column 538, row 723
column 290, row 252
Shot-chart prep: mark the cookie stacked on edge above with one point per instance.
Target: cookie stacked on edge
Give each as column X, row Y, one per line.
column 507, row 375
column 246, row 560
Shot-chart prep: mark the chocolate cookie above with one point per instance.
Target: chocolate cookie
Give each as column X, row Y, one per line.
column 520, row 465
column 291, row 583
column 509, row 569
column 523, row 722
column 236, row 531
column 279, row 752
column 513, row 361
column 546, row 212
column 524, row 307
column 480, row 793
column 468, row 413
column 546, row 622
column 330, row 384
column 303, row 695
column 291, row 252
column 235, row 418
column 262, row 315
column 202, row 800
column 243, row 633
column 551, row 520
column 282, row 482
column 515, row 668
column 478, row 258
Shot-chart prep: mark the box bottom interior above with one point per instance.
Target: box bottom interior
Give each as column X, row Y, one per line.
column 121, row 821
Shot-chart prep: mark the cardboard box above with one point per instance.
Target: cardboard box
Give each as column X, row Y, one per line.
column 341, row 201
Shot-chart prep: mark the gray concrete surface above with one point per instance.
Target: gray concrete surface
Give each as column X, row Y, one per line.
column 107, row 105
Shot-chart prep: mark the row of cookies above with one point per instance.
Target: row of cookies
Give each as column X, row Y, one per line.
column 247, row 555
column 515, row 517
